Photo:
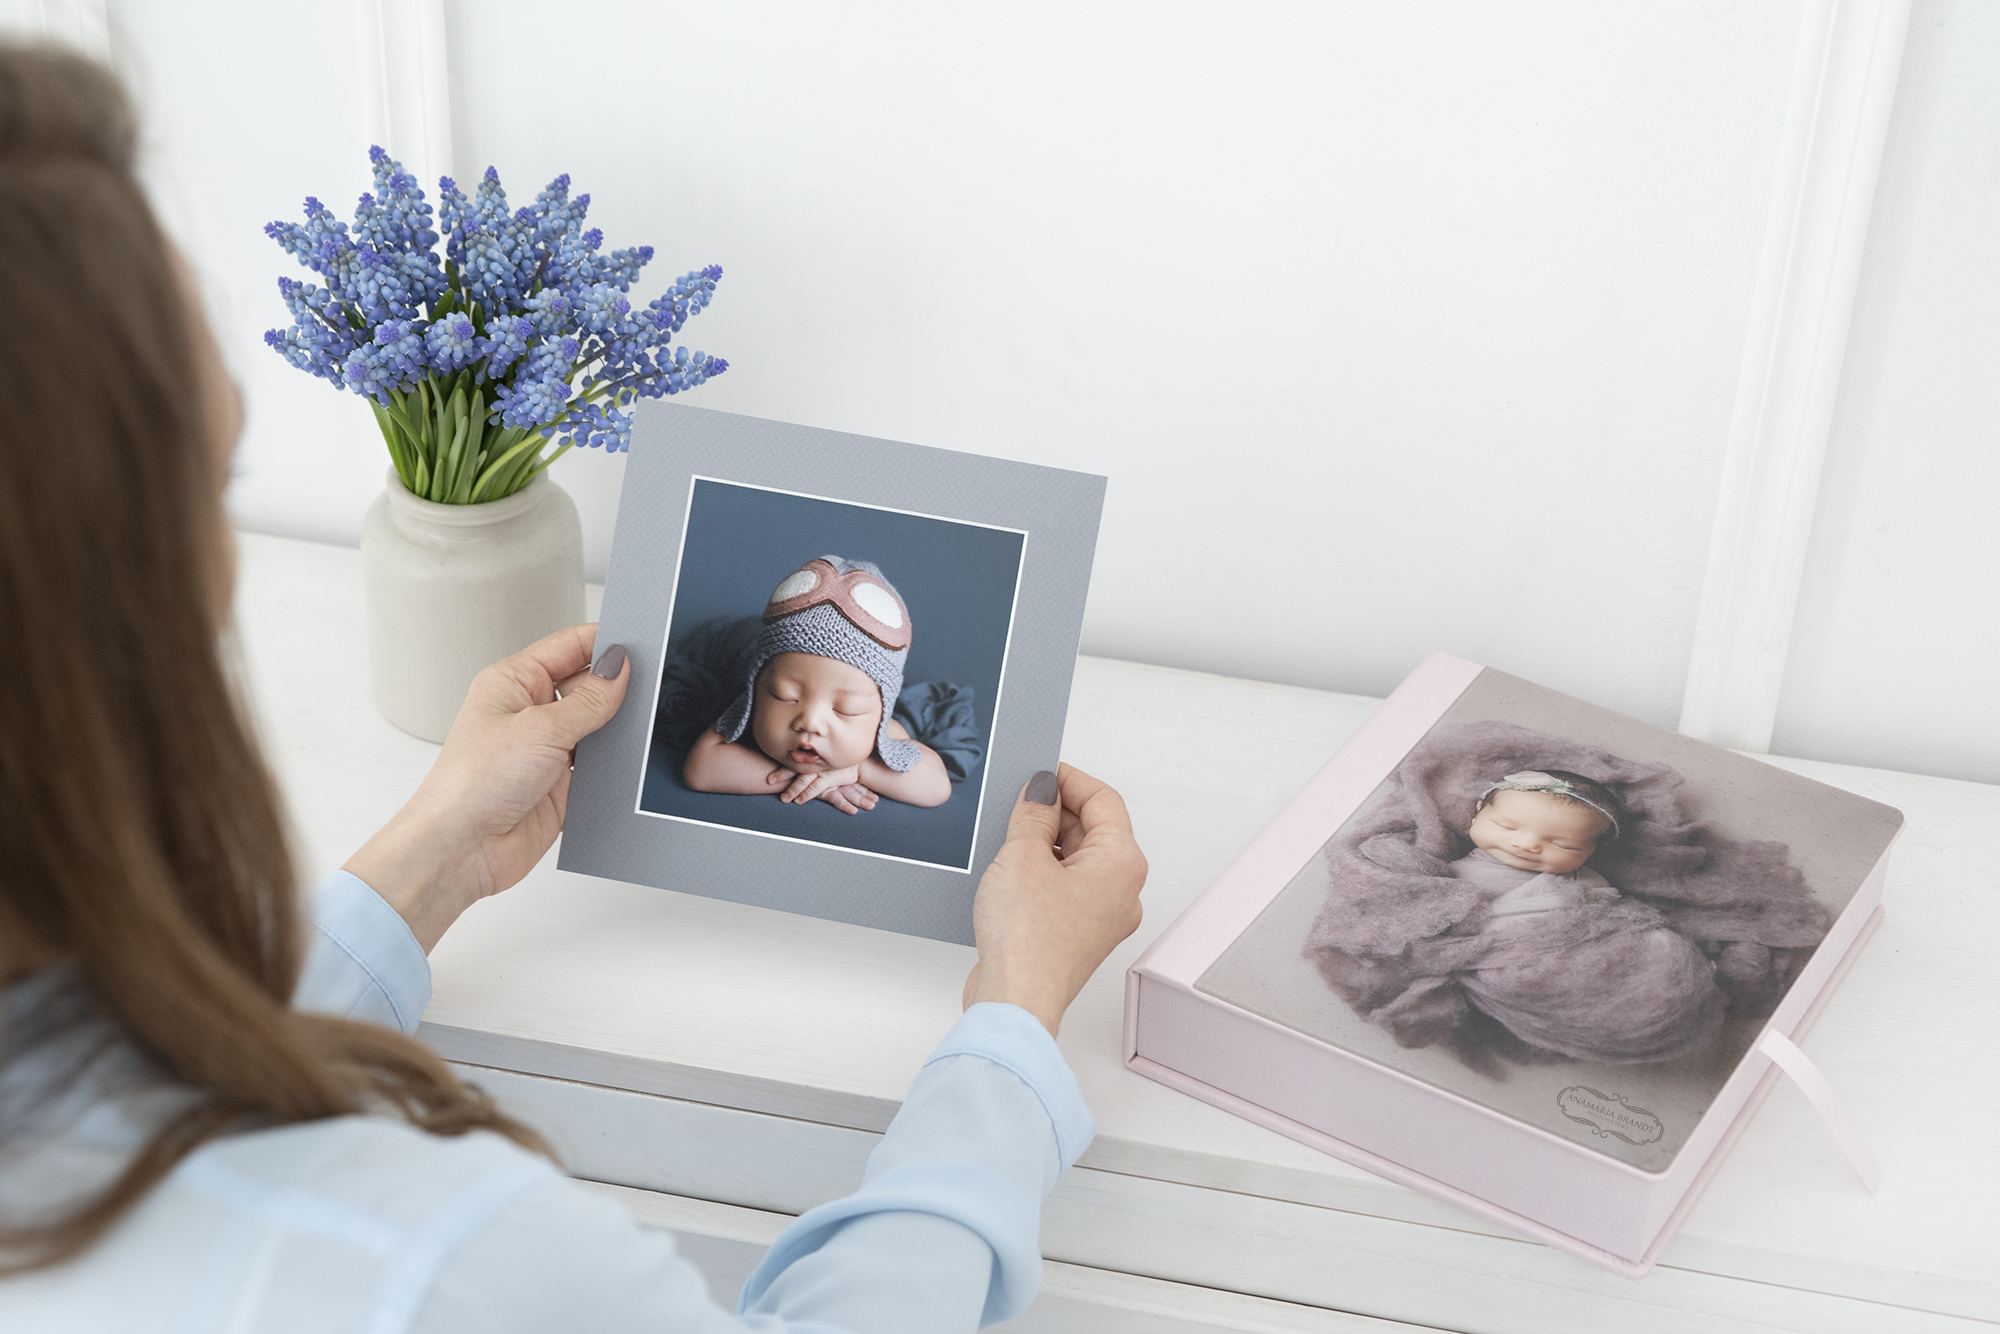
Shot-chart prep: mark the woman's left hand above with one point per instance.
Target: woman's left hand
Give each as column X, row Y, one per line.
column 494, row 800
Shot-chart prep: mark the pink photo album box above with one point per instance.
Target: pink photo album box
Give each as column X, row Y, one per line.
column 1519, row 952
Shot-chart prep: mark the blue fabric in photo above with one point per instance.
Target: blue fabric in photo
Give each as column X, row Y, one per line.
column 941, row 715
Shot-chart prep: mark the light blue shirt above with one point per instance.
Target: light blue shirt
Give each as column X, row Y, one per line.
column 362, row 1223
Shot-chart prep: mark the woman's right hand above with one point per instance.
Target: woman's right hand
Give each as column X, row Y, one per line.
column 1060, row 895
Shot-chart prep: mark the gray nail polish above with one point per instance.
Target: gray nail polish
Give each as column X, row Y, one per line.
column 609, row 663
column 1042, row 789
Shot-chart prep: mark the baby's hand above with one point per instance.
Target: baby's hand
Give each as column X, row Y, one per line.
column 851, row 797
column 806, row 786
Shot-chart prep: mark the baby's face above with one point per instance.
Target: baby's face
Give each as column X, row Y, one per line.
column 814, row 714
column 1533, row 831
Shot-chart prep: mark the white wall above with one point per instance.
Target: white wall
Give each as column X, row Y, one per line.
column 247, row 109
column 1395, row 327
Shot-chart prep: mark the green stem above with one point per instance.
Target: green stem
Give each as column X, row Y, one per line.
column 522, row 468
column 566, row 447
column 500, row 466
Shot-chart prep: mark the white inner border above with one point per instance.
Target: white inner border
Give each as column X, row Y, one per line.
column 992, row 727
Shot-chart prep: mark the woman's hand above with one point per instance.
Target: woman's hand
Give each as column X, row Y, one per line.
column 1061, row 894
column 494, row 800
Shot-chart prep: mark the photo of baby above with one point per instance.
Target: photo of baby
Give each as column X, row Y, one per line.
column 1543, row 895
column 823, row 680
column 1532, row 835
column 798, row 710
column 1509, row 908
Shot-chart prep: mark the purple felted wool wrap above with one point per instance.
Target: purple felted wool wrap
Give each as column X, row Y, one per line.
column 1401, row 940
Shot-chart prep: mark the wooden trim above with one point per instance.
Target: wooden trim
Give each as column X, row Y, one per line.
column 1843, row 87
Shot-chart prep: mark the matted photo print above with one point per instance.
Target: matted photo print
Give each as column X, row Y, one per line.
column 1564, row 915
column 848, row 656
column 842, row 699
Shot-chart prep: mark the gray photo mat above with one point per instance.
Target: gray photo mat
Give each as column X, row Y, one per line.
column 606, row 835
column 1836, row 839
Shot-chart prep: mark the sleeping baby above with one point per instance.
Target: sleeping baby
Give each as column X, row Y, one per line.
column 1560, row 957
column 1531, row 834
column 818, row 700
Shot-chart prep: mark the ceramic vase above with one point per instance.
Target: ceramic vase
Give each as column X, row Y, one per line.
column 452, row 588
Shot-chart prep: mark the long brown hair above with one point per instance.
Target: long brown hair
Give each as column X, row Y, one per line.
column 140, row 832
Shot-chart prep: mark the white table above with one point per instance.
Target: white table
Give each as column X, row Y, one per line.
column 725, row 1067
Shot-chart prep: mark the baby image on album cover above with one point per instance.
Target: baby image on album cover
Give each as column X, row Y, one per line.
column 1510, row 907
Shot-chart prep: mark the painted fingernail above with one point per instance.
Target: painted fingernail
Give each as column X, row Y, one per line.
column 609, row 663
column 1042, row 789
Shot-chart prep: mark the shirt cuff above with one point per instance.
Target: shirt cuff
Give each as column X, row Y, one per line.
column 1015, row 1040
column 362, row 962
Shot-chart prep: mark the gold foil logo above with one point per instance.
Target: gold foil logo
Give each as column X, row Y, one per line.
column 1608, row 1114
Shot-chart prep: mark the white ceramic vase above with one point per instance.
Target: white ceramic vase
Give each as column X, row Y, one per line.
column 451, row 588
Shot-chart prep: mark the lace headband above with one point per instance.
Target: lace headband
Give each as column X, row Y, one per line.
column 1534, row 780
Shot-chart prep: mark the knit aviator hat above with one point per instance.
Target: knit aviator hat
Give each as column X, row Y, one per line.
column 842, row 609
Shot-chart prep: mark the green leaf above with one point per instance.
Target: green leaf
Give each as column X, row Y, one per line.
column 518, row 471
column 440, row 476
column 461, row 474
column 406, row 442
column 479, row 441
column 500, row 467
column 464, row 445
column 391, row 436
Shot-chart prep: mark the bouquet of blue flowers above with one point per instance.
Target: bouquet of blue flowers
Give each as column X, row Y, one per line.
column 486, row 367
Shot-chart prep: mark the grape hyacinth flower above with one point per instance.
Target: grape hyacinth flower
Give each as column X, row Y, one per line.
column 488, row 363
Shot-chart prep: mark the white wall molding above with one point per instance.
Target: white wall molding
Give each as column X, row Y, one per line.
column 405, row 82
column 1843, row 88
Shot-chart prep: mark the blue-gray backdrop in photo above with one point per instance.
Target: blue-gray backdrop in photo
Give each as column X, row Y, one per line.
column 957, row 579
column 605, row 833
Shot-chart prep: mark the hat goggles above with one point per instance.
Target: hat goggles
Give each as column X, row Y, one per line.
column 870, row 605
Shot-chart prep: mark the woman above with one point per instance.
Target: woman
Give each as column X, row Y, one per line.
column 200, row 1126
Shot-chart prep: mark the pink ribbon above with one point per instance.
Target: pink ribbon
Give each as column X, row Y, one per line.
column 1812, row 1083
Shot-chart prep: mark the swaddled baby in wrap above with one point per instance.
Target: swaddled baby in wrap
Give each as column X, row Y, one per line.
column 1521, row 947
column 1562, row 959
